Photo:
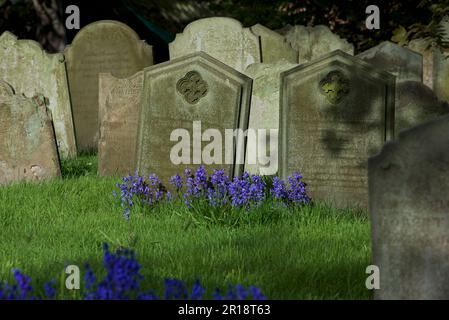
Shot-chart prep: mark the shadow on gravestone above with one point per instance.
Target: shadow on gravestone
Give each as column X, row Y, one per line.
column 416, row 104
column 101, row 47
column 409, row 210
column 335, row 112
column 27, row 141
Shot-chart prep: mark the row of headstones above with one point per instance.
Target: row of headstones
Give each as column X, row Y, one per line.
column 333, row 112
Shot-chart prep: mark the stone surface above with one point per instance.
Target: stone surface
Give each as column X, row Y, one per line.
column 196, row 87
column 415, row 104
column 409, row 209
column 404, row 63
column 435, row 67
column 314, row 42
column 27, row 141
column 274, row 47
column 101, row 47
column 264, row 114
column 31, row 71
column 224, row 39
column 335, row 112
column 119, row 107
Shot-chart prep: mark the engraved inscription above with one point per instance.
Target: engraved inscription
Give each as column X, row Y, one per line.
column 192, row 87
column 335, row 86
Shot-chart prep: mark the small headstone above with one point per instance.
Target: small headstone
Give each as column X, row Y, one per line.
column 31, row 71
column 224, row 39
column 314, row 42
column 27, row 142
column 189, row 107
column 264, row 117
column 274, row 46
column 335, row 113
column 101, row 47
column 409, row 209
column 404, row 63
column 416, row 103
column 118, row 117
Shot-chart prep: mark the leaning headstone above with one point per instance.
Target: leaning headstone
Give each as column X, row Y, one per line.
column 409, row 210
column 31, row 71
column 262, row 158
column 416, row 103
column 274, row 47
column 190, row 107
column 335, row 113
column 119, row 105
column 101, row 47
column 27, row 142
column 404, row 63
column 224, row 39
column 314, row 42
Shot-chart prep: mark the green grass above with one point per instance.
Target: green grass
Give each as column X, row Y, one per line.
column 307, row 253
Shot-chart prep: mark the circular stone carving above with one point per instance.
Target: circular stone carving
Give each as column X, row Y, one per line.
column 335, row 86
column 192, row 87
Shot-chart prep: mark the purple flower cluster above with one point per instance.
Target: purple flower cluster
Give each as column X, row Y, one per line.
column 137, row 189
column 122, row 277
column 123, row 282
column 217, row 190
column 294, row 192
column 22, row 289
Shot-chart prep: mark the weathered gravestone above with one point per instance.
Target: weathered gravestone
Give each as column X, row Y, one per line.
column 274, row 47
column 101, row 47
column 31, row 71
column 262, row 147
column 118, row 116
column 404, row 63
column 335, row 112
column 409, row 209
column 27, row 142
column 314, row 42
column 184, row 102
column 435, row 67
column 224, row 39
column 416, row 103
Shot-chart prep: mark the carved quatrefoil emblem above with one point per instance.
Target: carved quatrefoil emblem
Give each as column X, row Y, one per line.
column 192, row 87
column 335, row 86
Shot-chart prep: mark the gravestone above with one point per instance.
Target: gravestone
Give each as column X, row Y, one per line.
column 416, row 103
column 435, row 67
column 274, row 47
column 404, row 63
column 184, row 102
column 314, row 42
column 119, row 107
column 101, row 47
column 409, row 210
column 264, row 115
column 224, row 39
column 335, row 113
column 31, row 71
column 27, row 142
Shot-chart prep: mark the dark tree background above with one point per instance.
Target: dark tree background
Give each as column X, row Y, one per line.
column 157, row 21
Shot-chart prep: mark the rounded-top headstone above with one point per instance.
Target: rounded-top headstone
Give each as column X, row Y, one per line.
column 101, row 47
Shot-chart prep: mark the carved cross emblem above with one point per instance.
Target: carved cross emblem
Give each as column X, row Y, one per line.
column 192, row 87
column 335, row 86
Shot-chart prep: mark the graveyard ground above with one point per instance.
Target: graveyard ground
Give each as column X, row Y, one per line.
column 311, row 253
